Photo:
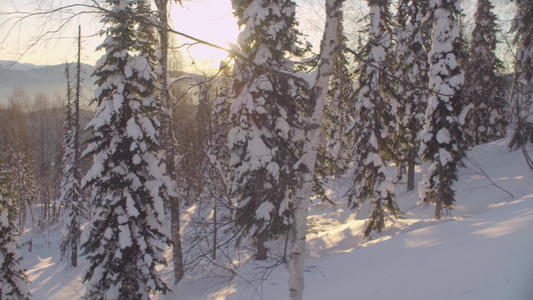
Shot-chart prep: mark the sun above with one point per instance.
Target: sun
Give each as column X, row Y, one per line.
column 208, row 20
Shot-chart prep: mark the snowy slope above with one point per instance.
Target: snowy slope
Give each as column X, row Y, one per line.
column 484, row 250
column 489, row 256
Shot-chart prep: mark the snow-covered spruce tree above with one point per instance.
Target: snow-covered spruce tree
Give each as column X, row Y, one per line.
column 338, row 111
column 442, row 137
column 484, row 85
column 124, row 241
column 71, row 197
column 13, row 280
column 413, row 43
column 523, row 90
column 265, row 116
column 373, row 111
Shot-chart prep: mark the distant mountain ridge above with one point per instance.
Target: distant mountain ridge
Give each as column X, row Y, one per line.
column 35, row 79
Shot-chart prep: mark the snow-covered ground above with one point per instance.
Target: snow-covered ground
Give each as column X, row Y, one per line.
column 484, row 250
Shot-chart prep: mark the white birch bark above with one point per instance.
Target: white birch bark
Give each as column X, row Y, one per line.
column 167, row 135
column 308, row 160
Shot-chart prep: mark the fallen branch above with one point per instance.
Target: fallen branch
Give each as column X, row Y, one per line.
column 478, row 167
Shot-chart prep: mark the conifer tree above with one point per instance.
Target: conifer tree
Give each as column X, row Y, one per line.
column 442, row 137
column 13, row 281
column 485, row 87
column 523, row 29
column 373, row 113
column 71, row 195
column 413, row 43
column 265, row 117
column 125, row 239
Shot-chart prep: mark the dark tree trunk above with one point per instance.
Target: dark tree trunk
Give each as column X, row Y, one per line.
column 215, row 231
column 411, row 170
column 74, row 249
column 261, row 249
column 176, row 239
column 440, row 192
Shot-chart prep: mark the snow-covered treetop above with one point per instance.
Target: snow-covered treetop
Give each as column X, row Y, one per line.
column 270, row 22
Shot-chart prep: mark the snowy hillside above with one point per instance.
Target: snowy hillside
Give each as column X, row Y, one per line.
column 34, row 79
column 484, row 250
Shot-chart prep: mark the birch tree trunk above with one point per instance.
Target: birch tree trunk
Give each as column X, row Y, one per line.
column 312, row 136
column 167, row 134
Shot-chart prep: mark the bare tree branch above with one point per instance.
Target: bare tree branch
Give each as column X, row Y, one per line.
column 476, row 165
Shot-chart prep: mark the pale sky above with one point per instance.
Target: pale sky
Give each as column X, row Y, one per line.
column 210, row 20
